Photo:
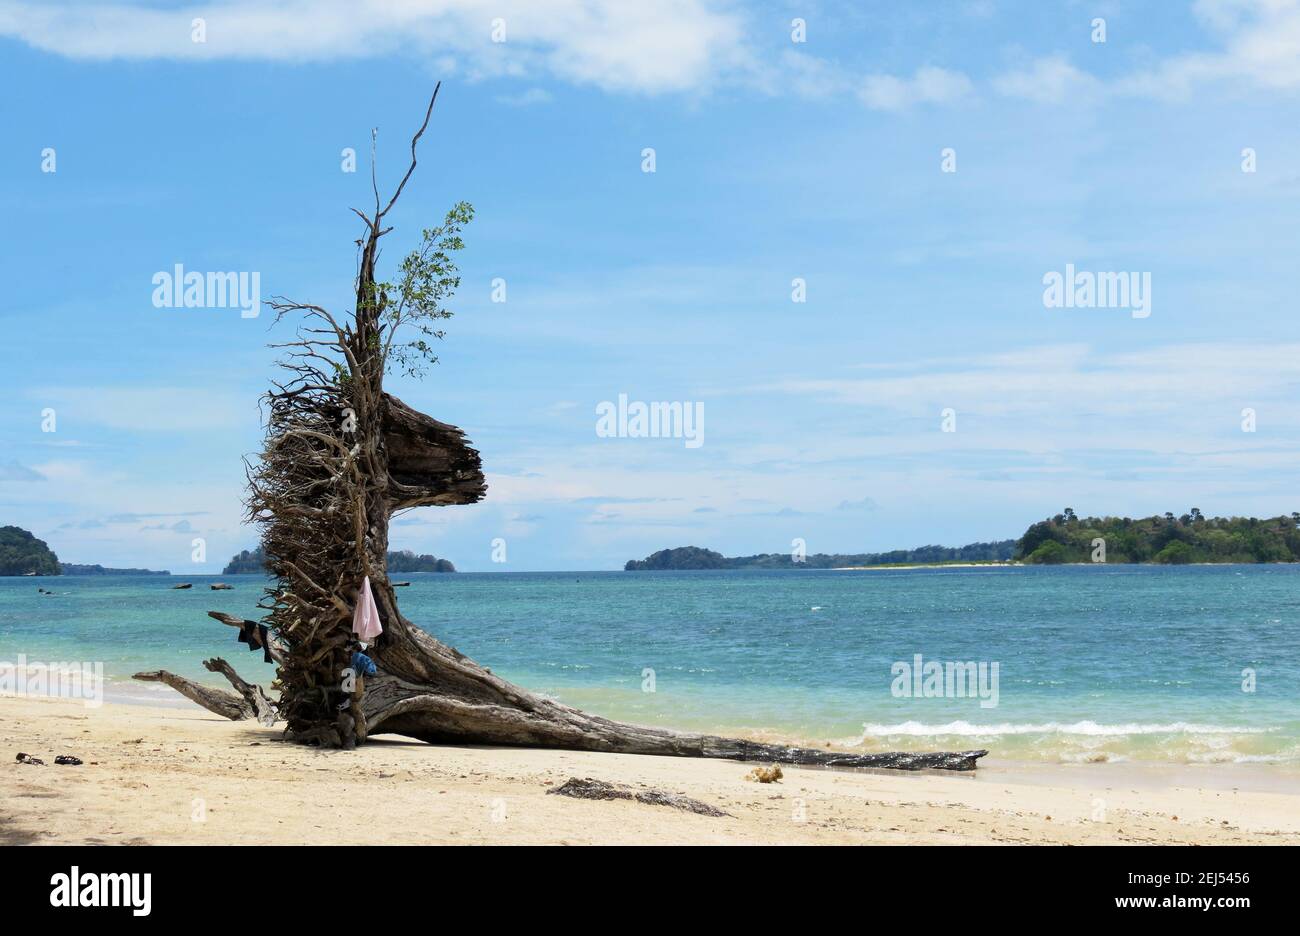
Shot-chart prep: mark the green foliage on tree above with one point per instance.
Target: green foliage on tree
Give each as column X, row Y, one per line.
column 407, row 561
column 427, row 279
column 23, row 554
column 1049, row 553
column 689, row 558
column 1167, row 539
column 253, row 561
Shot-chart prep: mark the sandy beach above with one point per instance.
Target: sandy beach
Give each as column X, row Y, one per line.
column 906, row 566
column 175, row 775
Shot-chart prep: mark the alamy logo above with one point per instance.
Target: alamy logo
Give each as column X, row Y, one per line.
column 193, row 290
column 74, row 680
column 1085, row 290
column 637, row 420
column 103, row 890
column 933, row 680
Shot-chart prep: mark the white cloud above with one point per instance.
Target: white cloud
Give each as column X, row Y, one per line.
column 180, row 526
column 808, row 76
column 666, row 46
column 929, row 85
column 1049, row 80
column 1172, row 399
column 64, row 471
column 618, row 45
column 1261, row 47
column 13, row 471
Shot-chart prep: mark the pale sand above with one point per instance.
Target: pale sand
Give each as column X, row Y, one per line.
column 145, row 767
column 933, row 565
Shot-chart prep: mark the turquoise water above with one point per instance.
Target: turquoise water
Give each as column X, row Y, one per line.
column 1094, row 663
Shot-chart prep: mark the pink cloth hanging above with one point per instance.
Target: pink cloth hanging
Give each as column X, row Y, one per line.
column 365, row 619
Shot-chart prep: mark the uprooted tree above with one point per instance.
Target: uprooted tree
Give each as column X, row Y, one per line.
column 340, row 457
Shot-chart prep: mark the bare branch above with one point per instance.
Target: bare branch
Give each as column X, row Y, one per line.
column 414, row 140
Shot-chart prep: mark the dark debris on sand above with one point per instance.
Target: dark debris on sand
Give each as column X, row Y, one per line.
column 587, row 788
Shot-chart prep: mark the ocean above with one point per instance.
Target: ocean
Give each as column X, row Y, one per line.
column 1191, row 664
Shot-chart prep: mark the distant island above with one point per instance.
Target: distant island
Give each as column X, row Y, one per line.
column 21, row 553
column 1166, row 540
column 247, row 562
column 253, row 561
column 72, row 568
column 1064, row 538
column 693, row 557
column 407, row 561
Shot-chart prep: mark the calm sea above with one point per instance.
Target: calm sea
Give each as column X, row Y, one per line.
column 1093, row 663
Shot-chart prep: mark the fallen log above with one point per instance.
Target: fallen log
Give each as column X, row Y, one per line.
column 519, row 718
column 226, row 704
column 493, row 711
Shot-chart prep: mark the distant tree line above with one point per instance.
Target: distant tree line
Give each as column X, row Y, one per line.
column 253, row 561
column 1170, row 540
column 686, row 558
column 21, row 553
column 407, row 561
column 72, row 568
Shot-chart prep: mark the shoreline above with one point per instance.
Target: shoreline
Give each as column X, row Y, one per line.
column 149, row 771
column 929, row 565
column 1179, row 756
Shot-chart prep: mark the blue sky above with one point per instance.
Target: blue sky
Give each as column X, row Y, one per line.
column 774, row 160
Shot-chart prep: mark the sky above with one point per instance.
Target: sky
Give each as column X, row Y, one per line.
column 917, row 171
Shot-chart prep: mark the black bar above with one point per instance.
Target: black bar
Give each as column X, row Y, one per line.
column 257, row 886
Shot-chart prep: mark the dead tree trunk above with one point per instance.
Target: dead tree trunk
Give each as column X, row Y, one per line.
column 340, row 458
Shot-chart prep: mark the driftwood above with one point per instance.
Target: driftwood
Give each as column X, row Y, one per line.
column 255, row 699
column 587, row 788
column 249, row 700
column 340, row 457
column 226, row 704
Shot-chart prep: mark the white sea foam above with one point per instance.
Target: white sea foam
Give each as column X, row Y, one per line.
column 1090, row 728
column 1230, row 757
column 66, row 680
column 11, row 670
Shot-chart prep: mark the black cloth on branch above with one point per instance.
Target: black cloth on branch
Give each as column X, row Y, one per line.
column 254, row 634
